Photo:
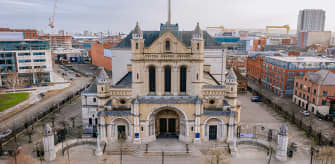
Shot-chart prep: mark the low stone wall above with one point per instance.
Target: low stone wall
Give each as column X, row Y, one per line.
column 74, row 142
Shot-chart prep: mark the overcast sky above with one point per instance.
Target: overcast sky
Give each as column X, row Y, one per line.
column 121, row 15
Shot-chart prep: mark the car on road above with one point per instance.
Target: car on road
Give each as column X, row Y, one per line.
column 306, row 113
column 256, row 99
column 42, row 95
column 77, row 75
column 45, row 85
column 72, row 78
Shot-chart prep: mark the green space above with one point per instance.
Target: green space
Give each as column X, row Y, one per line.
column 11, row 99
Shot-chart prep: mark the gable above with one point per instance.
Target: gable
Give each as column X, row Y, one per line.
column 159, row 45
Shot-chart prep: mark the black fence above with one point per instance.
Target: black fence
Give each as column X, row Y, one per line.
column 16, row 129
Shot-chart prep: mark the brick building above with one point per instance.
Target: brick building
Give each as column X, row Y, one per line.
column 100, row 56
column 312, row 91
column 27, row 33
column 279, row 72
column 59, row 41
column 255, row 64
column 238, row 61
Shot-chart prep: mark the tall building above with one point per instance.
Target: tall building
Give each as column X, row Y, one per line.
column 30, row 59
column 311, row 20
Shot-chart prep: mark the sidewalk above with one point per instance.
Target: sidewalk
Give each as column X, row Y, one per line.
column 319, row 127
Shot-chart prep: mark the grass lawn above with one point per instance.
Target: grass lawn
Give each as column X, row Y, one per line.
column 11, row 99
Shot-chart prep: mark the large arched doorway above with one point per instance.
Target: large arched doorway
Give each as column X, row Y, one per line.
column 120, row 129
column 167, row 122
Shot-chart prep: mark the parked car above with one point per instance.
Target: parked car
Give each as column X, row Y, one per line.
column 306, row 113
column 77, row 75
column 72, row 78
column 256, row 99
column 44, row 85
column 42, row 95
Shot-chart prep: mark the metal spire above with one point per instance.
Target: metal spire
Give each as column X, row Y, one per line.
column 169, row 13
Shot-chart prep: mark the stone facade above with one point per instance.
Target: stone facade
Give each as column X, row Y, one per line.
column 167, row 93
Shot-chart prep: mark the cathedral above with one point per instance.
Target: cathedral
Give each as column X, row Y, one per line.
column 168, row 92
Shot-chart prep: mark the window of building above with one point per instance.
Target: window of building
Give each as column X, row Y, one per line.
column 198, row 46
column 324, row 93
column 313, row 100
column 122, row 101
column 211, row 101
column 324, row 102
column 90, row 121
column 299, row 94
column 38, row 53
column 136, row 46
column 167, row 46
column 303, row 96
column 183, row 79
column 24, row 54
column 96, row 121
column 152, row 79
column 296, row 84
column 309, row 89
column 313, row 109
column 300, row 86
column 137, row 76
column 167, row 78
column 94, row 100
column 315, row 91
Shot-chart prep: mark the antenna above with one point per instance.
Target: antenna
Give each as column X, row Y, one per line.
column 169, row 13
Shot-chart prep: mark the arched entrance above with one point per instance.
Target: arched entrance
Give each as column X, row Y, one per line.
column 120, row 129
column 214, row 129
column 167, row 122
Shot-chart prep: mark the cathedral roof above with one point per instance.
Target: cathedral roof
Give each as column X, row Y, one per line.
column 184, row 36
column 125, row 82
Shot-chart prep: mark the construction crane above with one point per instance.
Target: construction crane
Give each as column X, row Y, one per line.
column 287, row 27
column 222, row 29
column 52, row 18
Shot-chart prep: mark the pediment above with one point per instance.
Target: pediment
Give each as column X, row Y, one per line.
column 159, row 45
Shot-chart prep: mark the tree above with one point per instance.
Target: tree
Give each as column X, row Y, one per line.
column 21, row 157
column 12, row 80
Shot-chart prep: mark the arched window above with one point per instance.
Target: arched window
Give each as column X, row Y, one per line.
column 167, row 78
column 198, row 46
column 152, row 79
column 183, row 79
column 136, row 45
column 167, row 46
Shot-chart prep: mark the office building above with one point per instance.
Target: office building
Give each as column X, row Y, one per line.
column 311, row 20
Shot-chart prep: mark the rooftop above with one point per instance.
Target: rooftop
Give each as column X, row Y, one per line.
column 322, row 77
column 309, row 59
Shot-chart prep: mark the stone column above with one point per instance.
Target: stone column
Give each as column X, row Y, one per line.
column 48, row 143
column 98, row 151
column 197, row 122
column 103, row 134
column 175, row 80
column 159, row 81
column 282, row 142
column 109, row 132
column 137, row 139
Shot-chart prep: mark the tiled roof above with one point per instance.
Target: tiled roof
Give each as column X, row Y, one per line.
column 125, row 82
column 92, row 88
column 322, row 77
column 184, row 36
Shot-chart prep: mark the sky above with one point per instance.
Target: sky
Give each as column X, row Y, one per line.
column 122, row 15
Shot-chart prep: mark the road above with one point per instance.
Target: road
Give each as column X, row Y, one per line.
column 258, row 113
column 31, row 112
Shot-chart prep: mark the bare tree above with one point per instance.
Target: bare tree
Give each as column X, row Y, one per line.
column 21, row 157
column 12, row 80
